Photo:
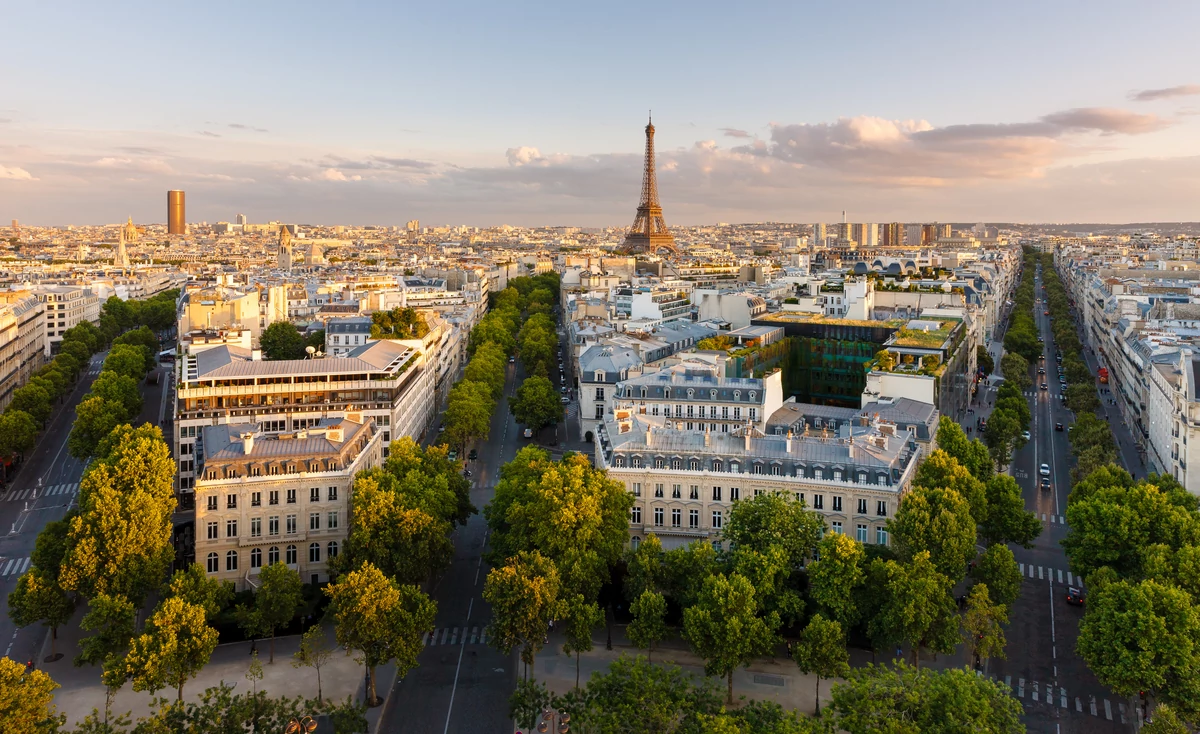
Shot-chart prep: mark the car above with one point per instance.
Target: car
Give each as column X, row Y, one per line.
column 1044, row 470
column 563, row 389
column 527, row 433
column 1045, row 386
column 467, row 473
column 1042, row 357
column 452, row 455
column 512, row 359
column 441, row 429
column 1058, row 427
column 1045, row 484
column 473, row 455
column 1075, row 597
column 1041, row 370
column 564, row 400
column 1045, row 313
column 1025, row 435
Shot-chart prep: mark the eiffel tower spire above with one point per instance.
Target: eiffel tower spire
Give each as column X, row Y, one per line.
column 649, row 232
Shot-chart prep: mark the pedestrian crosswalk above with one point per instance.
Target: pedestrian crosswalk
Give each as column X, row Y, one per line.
column 1049, row 695
column 94, row 371
column 14, row 566
column 1035, row 393
column 1044, row 573
column 455, row 636
column 1055, row 519
column 35, row 492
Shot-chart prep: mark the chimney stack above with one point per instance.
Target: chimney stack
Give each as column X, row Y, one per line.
column 248, row 442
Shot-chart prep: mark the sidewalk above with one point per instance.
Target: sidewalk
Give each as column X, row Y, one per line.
column 81, row 689
column 1127, row 446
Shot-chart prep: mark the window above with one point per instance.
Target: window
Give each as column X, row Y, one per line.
column 676, row 517
column 256, row 527
column 291, row 496
column 862, row 477
column 314, row 494
column 716, row 519
column 717, row 466
column 273, row 555
column 694, row 465
column 737, row 414
column 862, row 507
column 694, row 492
column 331, row 495
column 637, row 489
column 256, row 499
column 693, row 518
column 676, row 464
column 273, row 498
column 314, row 521
column 659, row 462
column 880, row 536
column 818, row 473
column 314, row 552
column 273, row 525
column 860, row 533
column 599, row 412
column 716, row 495
column 691, row 411
column 290, row 555
column 231, row 529
column 291, row 524
column 658, row 491
column 756, row 469
column 775, row 469
column 256, row 558
column 212, row 503
column 881, row 508
column 658, row 517
column 837, row 504
column 837, row 527
column 735, row 467
column 800, row 497
column 635, row 462
column 818, row 502
column 214, row 563
column 735, row 494
column 212, row 531
column 331, row 550
column 231, row 559
column 332, row 521
column 676, row 491
column 600, row 392
column 635, row 515
column 725, row 412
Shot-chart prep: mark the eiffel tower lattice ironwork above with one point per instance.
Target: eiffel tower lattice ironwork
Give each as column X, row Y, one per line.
column 649, row 232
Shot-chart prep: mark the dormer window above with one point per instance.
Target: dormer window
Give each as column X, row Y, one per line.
column 737, row 394
column 753, row 394
column 712, row 394
column 691, row 393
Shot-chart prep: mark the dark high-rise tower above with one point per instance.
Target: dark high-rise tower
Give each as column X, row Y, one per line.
column 649, row 231
column 176, row 220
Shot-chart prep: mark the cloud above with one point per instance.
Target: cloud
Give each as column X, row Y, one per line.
column 207, row 134
column 141, row 165
column 375, row 163
column 333, row 174
column 5, row 120
column 140, row 150
column 1151, row 95
column 240, row 126
column 733, row 132
column 1106, row 120
column 14, row 173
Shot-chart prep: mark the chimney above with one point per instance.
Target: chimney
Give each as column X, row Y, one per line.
column 256, row 355
column 248, row 443
column 746, row 433
column 788, row 443
column 649, row 435
column 707, row 438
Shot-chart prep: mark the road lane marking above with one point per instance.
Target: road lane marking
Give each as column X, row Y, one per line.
column 1121, row 710
column 1040, row 573
column 1107, row 710
column 1034, row 696
column 1022, row 565
column 1052, row 521
column 1060, row 575
column 1092, row 704
column 1062, row 694
column 1031, row 570
column 1078, row 705
column 1021, row 688
column 7, row 567
column 1070, row 579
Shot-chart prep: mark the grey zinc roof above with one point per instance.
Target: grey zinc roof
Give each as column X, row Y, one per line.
column 223, row 442
column 607, row 358
column 233, row 362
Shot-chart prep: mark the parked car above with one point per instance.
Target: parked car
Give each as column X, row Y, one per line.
column 1044, row 470
column 1025, row 435
column 1075, row 597
column 453, row 455
column 564, row 400
column 527, row 433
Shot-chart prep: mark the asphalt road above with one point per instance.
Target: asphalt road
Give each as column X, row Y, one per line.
column 1057, row 690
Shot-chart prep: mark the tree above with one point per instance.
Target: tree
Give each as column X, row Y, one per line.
column 906, row 700
column 937, row 521
column 1016, row 370
column 468, row 415
column 381, row 620
column 406, row 543
column 1142, row 636
column 487, row 365
column 983, row 358
column 644, row 569
column 316, row 340
column 942, row 471
column 774, row 519
column 524, row 597
column 399, row 323
column 282, row 340
column 885, row 360
column 27, row 699
column 821, row 651
column 579, row 618
column 983, row 625
column 95, row 418
column 1007, row 521
column 39, row 598
column 536, row 403
column 34, row 400
column 314, row 652
column 687, row 569
column 174, row 647
column 649, row 623
column 279, row 596
column 724, row 627
column 127, row 359
column 18, row 433
column 1002, row 432
column 194, row 586
column 113, row 619
column 636, row 697
column 971, row 454
column 120, row 389
column 833, row 577
column 997, row 569
column 427, row 478
column 915, row 606
column 1164, row 720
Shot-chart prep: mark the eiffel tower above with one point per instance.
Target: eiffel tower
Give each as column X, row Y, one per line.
column 649, row 231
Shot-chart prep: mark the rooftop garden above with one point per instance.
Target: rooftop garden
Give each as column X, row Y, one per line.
column 925, row 339
column 816, row 318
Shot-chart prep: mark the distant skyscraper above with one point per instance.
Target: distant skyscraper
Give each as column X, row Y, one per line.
column 176, row 218
column 819, row 234
column 285, row 249
column 892, row 234
column 240, row 219
column 649, row 231
column 413, row 225
column 16, row 227
column 866, row 235
column 912, row 235
column 928, row 234
column 943, row 231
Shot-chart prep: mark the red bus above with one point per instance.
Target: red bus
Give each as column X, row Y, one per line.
column 1103, row 375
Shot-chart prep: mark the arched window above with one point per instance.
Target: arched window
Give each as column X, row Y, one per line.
column 256, row 558
column 290, row 555
column 691, row 393
column 331, row 550
column 314, row 553
column 214, row 563
column 712, row 394
column 273, row 555
column 753, row 394
column 231, row 559
column 737, row 394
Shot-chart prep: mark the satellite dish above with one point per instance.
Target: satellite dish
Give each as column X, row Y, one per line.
column 311, row 350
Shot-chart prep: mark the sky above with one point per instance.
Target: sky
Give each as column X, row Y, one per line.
column 532, row 113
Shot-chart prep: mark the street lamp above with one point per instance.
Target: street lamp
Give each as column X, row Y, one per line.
column 550, row 717
column 305, row 725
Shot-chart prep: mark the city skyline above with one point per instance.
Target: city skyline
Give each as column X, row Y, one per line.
column 1021, row 114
